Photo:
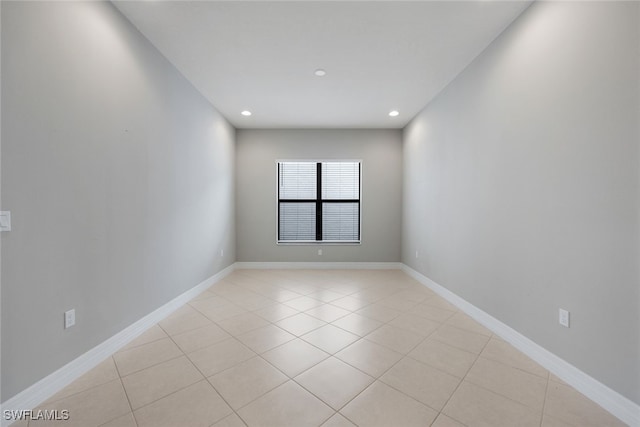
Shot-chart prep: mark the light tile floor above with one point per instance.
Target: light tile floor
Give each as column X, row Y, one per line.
column 321, row 348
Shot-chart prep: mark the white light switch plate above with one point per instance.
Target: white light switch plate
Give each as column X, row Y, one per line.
column 5, row 221
column 69, row 318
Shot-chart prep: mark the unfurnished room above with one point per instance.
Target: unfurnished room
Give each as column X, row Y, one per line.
column 319, row 213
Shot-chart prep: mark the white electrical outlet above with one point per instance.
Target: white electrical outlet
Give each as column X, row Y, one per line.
column 416, row 254
column 221, row 252
column 563, row 317
column 320, row 252
column 69, row 318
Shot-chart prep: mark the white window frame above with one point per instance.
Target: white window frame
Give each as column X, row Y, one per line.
column 316, row 242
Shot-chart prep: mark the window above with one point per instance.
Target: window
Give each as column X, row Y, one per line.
column 319, row 201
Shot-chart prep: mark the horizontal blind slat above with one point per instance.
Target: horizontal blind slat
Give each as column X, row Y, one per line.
column 340, row 221
column 297, row 221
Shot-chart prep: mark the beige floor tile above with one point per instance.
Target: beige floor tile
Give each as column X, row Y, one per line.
column 295, row 357
column 94, row 406
column 416, row 324
column 103, row 373
column 330, row 339
column 431, row 313
column 242, row 323
column 303, row 303
column 462, row 321
column 357, row 324
column 568, row 405
column 276, row 312
column 218, row 313
column 220, row 356
column 379, row 312
column 509, row 382
column 417, row 294
column 255, row 302
column 154, row 333
column 503, row 352
column 369, row 357
column 265, row 338
column 424, row 383
column 370, row 295
column 236, row 293
column 334, row 382
column 231, row 421
column 247, row 381
column 297, row 286
column 21, row 423
column 144, row 356
column 196, row 339
column 396, row 339
column 326, row 295
column 444, row 357
column 198, row 405
column 300, row 324
column 183, row 319
column 439, row 302
column 245, row 277
column 328, row 312
column 289, row 405
column 212, row 300
column 127, row 420
column 459, row 338
column 444, row 421
column 556, row 379
column 338, row 421
column 280, row 294
column 254, row 286
column 350, row 303
column 383, row 406
column 549, row 421
column 151, row 384
column 477, row 406
column 205, row 295
column 399, row 304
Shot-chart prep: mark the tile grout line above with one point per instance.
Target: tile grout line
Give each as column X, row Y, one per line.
column 151, row 366
column 544, row 402
column 135, row 420
column 204, row 378
column 461, row 380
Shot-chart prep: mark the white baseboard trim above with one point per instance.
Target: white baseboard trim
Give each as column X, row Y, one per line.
column 318, row 265
column 51, row 384
column 618, row 405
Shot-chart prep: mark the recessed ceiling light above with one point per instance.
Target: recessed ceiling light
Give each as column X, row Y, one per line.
column 320, row 72
column 394, row 113
column 246, row 113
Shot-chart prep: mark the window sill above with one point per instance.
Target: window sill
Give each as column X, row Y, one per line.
column 313, row 243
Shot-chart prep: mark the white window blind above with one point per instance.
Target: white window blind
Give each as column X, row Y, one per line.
column 319, row 201
column 297, row 180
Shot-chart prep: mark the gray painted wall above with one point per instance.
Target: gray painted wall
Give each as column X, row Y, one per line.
column 256, row 155
column 119, row 178
column 521, row 185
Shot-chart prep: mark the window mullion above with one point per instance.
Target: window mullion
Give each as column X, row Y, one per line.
column 318, row 201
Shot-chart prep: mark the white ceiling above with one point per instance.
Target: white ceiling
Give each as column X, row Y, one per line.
column 379, row 55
